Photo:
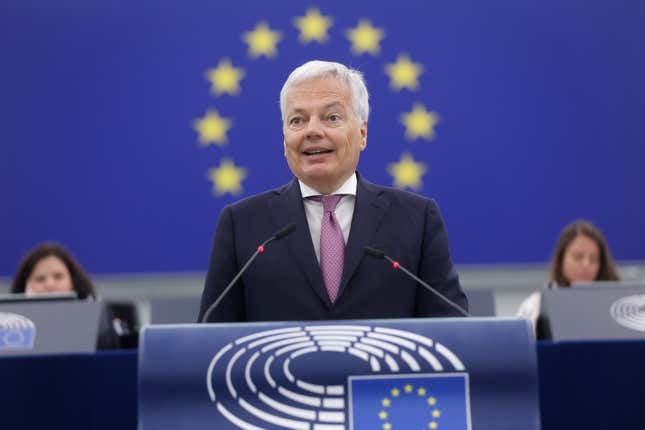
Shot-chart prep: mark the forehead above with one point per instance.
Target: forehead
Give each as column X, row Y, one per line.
column 50, row 262
column 584, row 243
column 318, row 92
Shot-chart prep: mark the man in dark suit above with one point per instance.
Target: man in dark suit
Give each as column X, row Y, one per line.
column 320, row 271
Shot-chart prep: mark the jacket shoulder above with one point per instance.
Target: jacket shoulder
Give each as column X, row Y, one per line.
column 395, row 195
column 260, row 199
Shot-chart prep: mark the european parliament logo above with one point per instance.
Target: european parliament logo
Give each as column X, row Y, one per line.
column 339, row 377
column 16, row 332
column 629, row 312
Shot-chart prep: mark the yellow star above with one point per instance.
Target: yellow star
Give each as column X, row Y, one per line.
column 433, row 425
column 225, row 78
column 407, row 173
column 212, row 128
column 419, row 122
column 395, row 392
column 404, row 73
column 421, row 391
column 408, row 388
column 313, row 26
column 432, row 401
column 365, row 38
column 436, row 413
column 382, row 415
column 262, row 41
column 387, row 426
column 385, row 402
column 227, row 178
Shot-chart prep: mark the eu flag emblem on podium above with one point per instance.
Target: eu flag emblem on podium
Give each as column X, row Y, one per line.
column 423, row 402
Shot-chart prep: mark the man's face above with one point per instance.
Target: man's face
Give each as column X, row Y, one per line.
column 322, row 138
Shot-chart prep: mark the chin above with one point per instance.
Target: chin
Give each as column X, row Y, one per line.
column 318, row 174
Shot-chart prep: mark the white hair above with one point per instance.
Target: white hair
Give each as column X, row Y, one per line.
column 318, row 69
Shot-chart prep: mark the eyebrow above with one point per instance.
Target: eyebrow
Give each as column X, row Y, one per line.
column 325, row 107
column 332, row 104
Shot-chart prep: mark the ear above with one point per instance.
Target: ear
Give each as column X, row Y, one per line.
column 284, row 145
column 363, row 131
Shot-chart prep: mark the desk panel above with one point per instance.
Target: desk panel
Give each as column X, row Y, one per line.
column 71, row 391
column 591, row 384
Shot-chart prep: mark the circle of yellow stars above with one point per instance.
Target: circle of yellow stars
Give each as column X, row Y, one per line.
column 313, row 26
column 419, row 122
column 262, row 41
column 404, row 73
column 409, row 390
column 225, row 78
column 227, row 178
column 365, row 38
column 407, row 172
column 212, row 128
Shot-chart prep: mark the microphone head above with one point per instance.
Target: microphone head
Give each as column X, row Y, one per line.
column 285, row 231
column 373, row 252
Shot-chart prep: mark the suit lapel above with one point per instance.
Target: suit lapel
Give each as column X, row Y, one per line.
column 287, row 207
column 368, row 211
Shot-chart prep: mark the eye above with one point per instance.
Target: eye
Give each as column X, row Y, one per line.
column 296, row 120
column 334, row 117
column 578, row 256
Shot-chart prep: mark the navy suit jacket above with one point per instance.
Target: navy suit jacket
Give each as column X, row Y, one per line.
column 285, row 282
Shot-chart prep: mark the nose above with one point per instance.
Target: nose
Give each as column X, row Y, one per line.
column 314, row 128
column 49, row 284
column 586, row 261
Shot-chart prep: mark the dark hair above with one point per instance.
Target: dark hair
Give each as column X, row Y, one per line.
column 606, row 271
column 80, row 281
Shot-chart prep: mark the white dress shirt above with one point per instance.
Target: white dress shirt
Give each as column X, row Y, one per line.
column 344, row 210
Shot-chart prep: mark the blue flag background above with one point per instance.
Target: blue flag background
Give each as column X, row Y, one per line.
column 126, row 126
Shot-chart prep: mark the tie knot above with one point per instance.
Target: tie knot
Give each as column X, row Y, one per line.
column 329, row 202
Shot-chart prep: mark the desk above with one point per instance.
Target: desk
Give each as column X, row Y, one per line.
column 591, row 384
column 599, row 384
column 76, row 391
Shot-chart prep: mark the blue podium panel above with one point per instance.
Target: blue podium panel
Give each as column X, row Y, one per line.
column 465, row 373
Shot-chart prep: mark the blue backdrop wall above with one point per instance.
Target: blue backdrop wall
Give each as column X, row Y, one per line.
column 125, row 126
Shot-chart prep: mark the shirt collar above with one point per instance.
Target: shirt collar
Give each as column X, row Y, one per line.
column 348, row 188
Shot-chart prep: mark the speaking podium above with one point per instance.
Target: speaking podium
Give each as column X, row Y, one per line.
column 453, row 373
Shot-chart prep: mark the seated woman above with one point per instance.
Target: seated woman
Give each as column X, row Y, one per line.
column 581, row 255
column 50, row 268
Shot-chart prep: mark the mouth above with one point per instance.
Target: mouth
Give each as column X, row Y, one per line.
column 316, row 151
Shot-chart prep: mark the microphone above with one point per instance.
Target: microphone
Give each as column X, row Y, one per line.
column 280, row 234
column 377, row 253
column 284, row 231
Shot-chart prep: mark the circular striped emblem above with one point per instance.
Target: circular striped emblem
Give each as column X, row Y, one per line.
column 264, row 380
column 630, row 312
column 14, row 321
column 16, row 331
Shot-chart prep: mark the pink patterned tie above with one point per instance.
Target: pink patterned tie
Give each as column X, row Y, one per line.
column 332, row 245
